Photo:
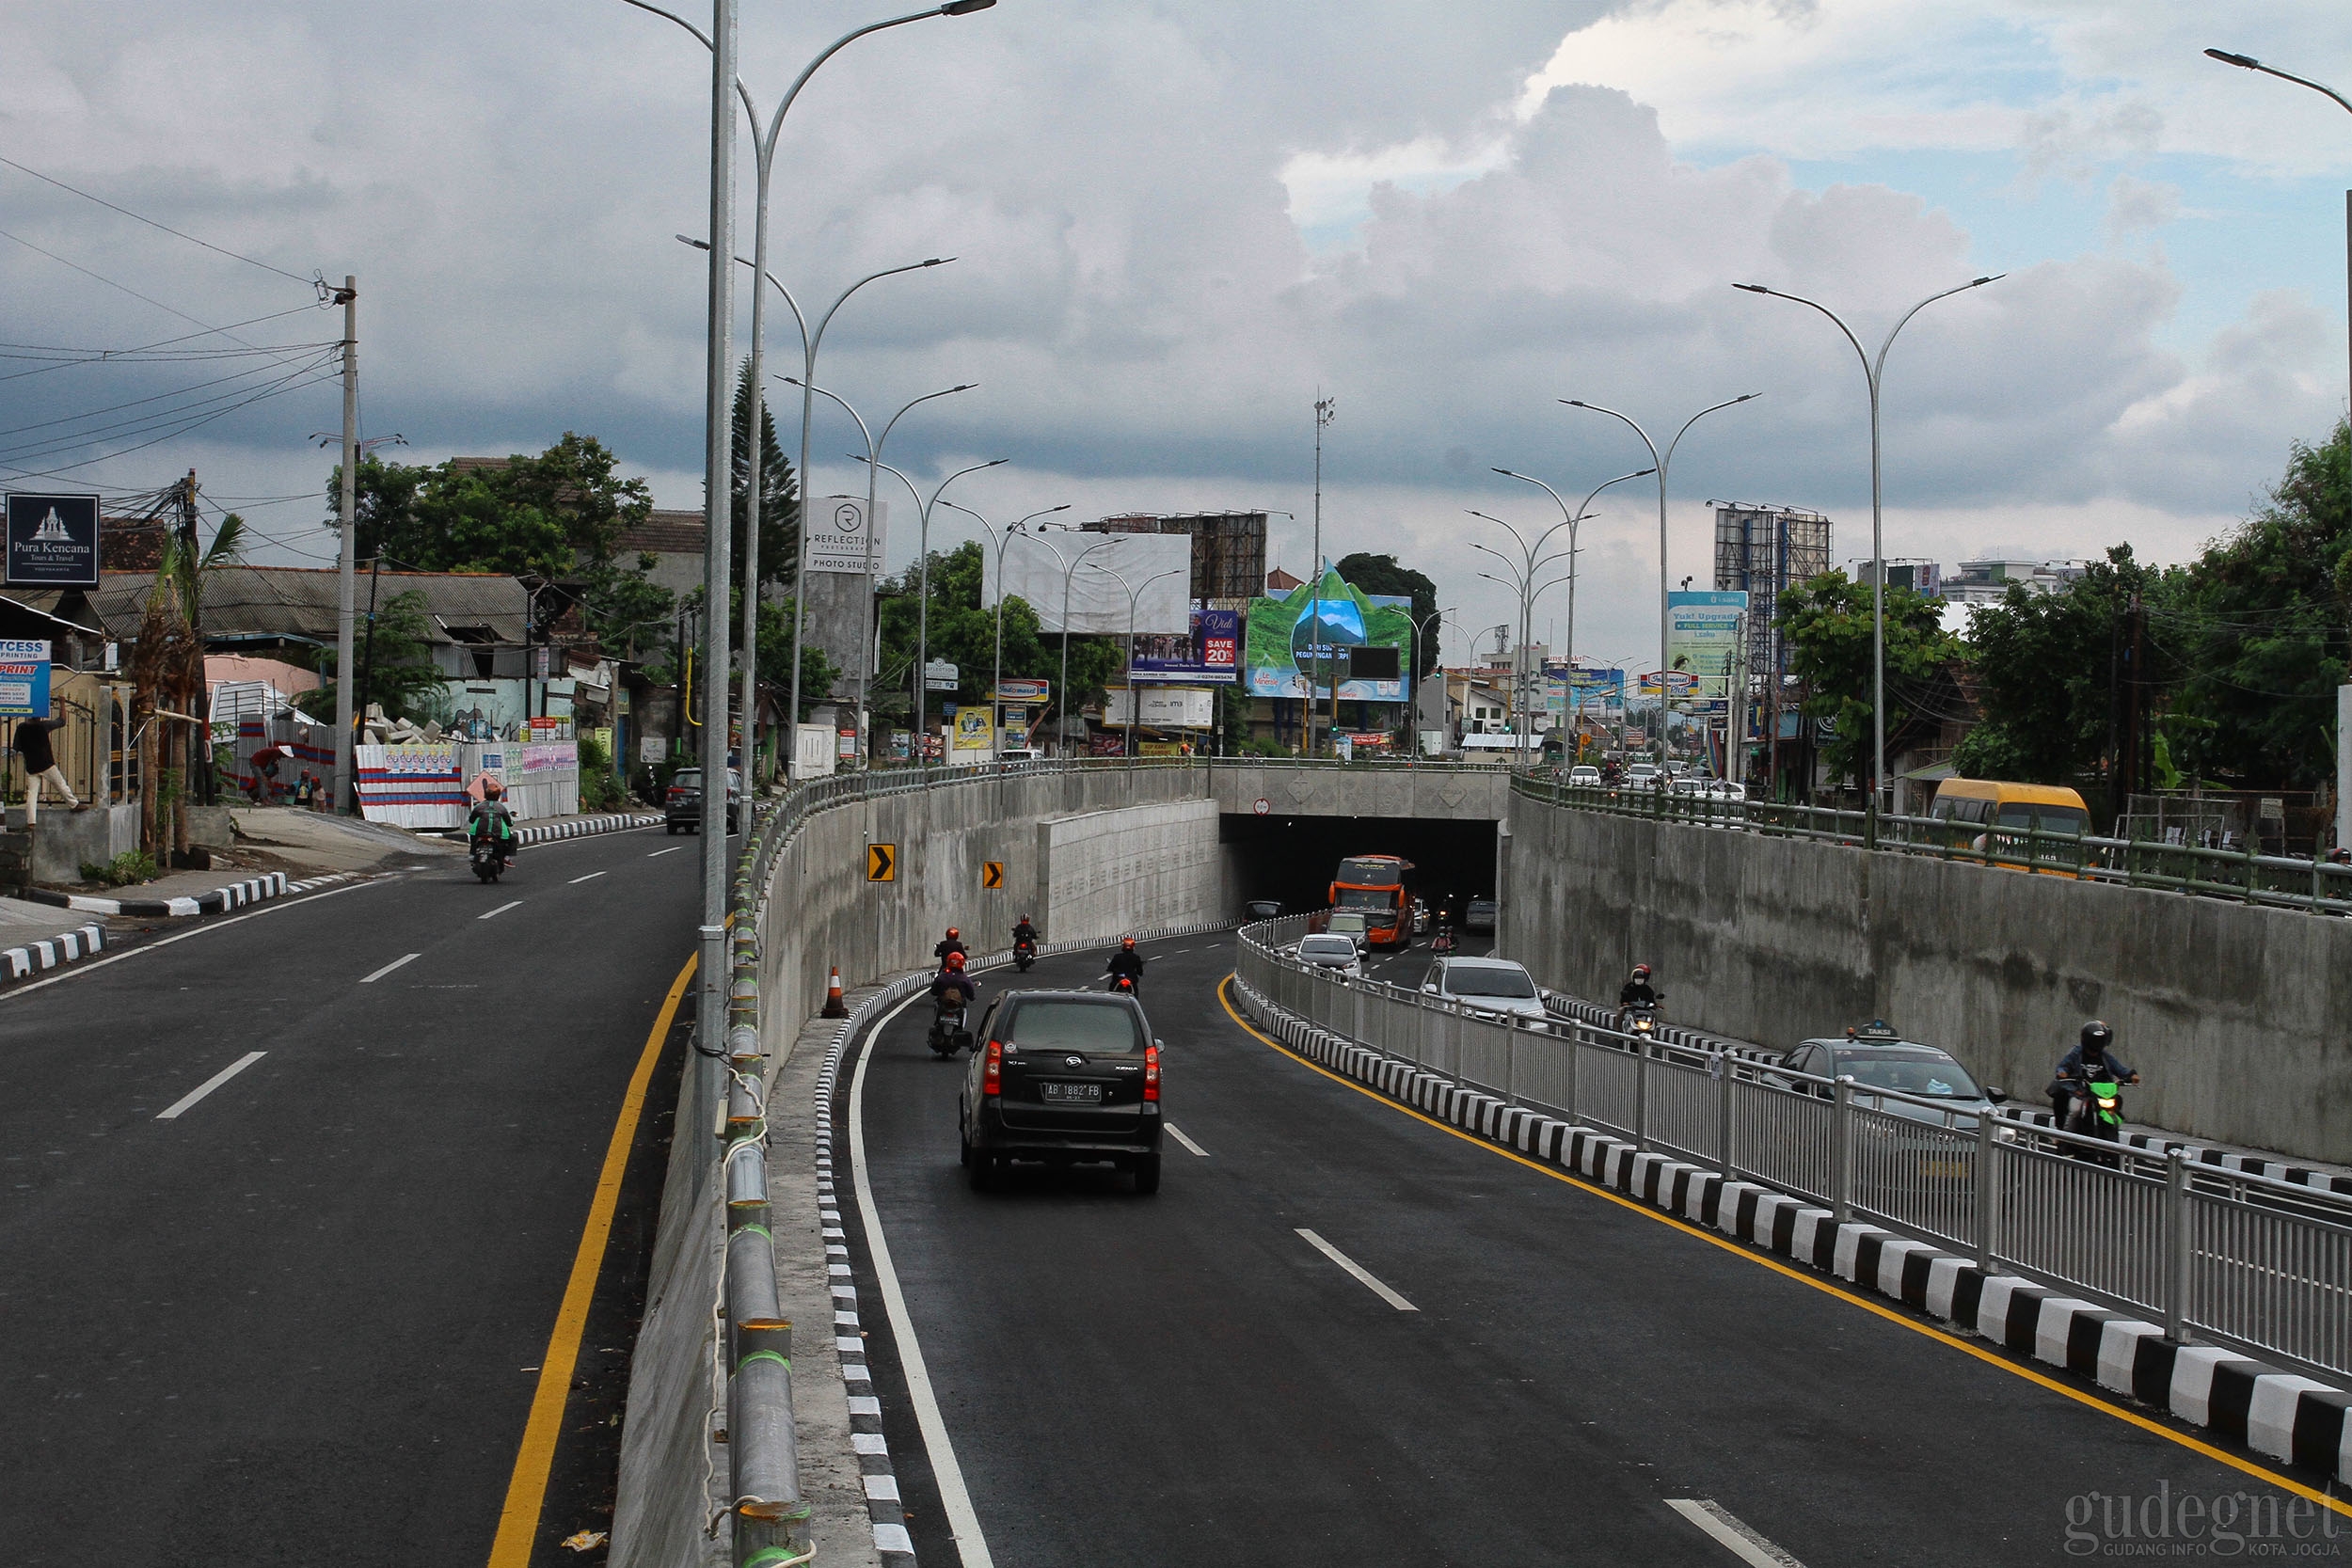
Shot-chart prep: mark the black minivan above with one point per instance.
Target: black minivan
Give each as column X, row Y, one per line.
column 1066, row 1077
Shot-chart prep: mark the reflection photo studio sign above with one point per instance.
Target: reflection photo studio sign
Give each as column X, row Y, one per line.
column 839, row 539
column 53, row 541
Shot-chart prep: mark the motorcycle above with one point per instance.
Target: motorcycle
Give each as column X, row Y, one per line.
column 1023, row 955
column 948, row 1034
column 2094, row 1109
column 487, row 858
column 1443, row 942
column 1640, row 1021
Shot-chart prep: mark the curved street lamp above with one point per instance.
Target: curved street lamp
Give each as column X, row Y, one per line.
column 996, row 671
column 1069, row 570
column 1660, row 464
column 1873, row 372
column 1134, row 597
column 923, row 600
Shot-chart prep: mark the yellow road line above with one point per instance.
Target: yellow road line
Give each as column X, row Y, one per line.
column 1741, row 1250
column 527, row 1490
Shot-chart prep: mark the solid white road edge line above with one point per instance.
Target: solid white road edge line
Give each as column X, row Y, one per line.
column 1170, row 1128
column 1343, row 1260
column 171, row 1112
column 74, row 971
column 590, row 878
column 501, row 909
column 371, row 979
column 1742, row 1542
column 970, row 1545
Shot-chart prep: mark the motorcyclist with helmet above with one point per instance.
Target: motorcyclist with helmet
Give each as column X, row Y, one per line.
column 2090, row 1059
column 492, row 818
column 952, row 991
column 1024, row 942
column 1127, row 961
column 1637, row 992
column 952, row 943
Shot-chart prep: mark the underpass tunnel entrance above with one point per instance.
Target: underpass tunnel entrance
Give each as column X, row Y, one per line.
column 1293, row 860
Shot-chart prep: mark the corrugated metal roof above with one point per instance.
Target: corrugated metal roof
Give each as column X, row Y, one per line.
column 663, row 532
column 301, row 602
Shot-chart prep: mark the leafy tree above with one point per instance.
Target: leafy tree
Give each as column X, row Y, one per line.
column 818, row 672
column 2046, row 666
column 395, row 659
column 964, row 631
column 1380, row 574
column 779, row 494
column 1827, row 621
column 546, row 515
column 2256, row 641
column 630, row 615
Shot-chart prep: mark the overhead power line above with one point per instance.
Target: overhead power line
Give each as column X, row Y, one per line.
column 217, row 250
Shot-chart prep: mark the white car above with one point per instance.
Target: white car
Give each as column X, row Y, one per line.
column 1724, row 789
column 1584, row 776
column 1493, row 986
column 1642, row 775
column 1336, row 952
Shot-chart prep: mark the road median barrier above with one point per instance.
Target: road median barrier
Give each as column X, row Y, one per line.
column 1654, row 1145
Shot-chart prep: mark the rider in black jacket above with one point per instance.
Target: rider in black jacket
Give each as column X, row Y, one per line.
column 1127, row 961
column 1024, row 932
column 952, row 943
column 2089, row 1060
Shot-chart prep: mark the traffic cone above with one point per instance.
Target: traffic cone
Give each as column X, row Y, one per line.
column 834, row 1007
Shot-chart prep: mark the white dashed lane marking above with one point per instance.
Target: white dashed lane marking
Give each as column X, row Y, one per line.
column 1187, row 1142
column 493, row 915
column 1733, row 1536
column 171, row 1112
column 1362, row 1273
column 371, row 979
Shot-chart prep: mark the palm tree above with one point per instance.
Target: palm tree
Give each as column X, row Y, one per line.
column 167, row 669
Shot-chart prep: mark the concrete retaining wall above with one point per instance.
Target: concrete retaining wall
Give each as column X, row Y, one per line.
column 1140, row 849
column 2239, row 1018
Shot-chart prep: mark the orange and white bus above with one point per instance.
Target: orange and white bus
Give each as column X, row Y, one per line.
column 1374, row 887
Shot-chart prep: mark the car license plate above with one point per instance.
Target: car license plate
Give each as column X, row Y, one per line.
column 1073, row 1094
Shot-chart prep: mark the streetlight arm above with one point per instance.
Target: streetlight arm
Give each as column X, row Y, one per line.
column 833, row 48
column 749, row 109
column 838, row 304
column 843, row 403
column 944, row 391
column 1877, row 370
column 2247, row 62
column 1727, row 402
column 1624, row 419
column 1585, row 510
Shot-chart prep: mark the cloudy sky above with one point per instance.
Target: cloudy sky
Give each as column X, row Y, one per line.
column 1176, row 224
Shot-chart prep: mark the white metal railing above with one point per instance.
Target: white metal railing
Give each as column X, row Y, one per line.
column 2229, row 1255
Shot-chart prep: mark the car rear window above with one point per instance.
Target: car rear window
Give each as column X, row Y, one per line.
column 688, row 777
column 1326, row 947
column 1075, row 1024
column 1465, row 980
column 1935, row 1076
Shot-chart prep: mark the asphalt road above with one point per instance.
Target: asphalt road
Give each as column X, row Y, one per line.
column 300, row 1322
column 1187, row 1378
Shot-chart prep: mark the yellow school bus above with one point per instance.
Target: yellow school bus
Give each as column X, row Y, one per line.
column 2004, row 813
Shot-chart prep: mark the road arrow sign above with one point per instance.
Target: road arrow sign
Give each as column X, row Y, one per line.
column 881, row 863
column 991, row 873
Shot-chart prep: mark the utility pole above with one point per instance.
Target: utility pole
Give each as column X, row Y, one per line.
column 201, row 777
column 347, row 586
column 1325, row 409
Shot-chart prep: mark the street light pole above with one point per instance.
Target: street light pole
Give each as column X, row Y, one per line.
column 1434, row 618
column 764, row 157
column 1134, row 597
column 2247, row 62
column 996, row 669
column 1327, row 409
column 1660, row 464
column 923, row 555
column 1069, row 570
column 1873, row 372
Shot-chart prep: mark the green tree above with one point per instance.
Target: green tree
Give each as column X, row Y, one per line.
column 818, row 672
column 631, row 617
column 1827, row 621
column 964, row 631
column 779, row 494
column 1380, row 574
column 549, row 515
column 2256, row 641
column 2046, row 666
column 396, row 663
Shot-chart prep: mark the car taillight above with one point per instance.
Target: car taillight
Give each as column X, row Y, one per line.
column 677, row 792
column 991, row 1076
column 1151, row 1072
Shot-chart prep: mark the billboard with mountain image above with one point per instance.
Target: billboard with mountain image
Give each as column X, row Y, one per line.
column 1323, row 621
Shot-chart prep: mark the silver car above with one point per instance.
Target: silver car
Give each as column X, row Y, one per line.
column 1492, row 986
column 1336, row 952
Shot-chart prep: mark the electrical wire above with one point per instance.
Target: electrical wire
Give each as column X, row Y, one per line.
column 192, row 424
column 111, row 283
column 102, row 357
column 219, row 251
column 180, row 417
column 135, row 403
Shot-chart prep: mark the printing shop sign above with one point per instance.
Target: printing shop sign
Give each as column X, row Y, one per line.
column 24, row 678
column 53, row 541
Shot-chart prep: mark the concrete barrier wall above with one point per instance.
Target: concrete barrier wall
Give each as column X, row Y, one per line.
column 1140, row 847
column 2239, row 1018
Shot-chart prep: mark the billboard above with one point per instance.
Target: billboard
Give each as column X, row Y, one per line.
column 1585, row 690
column 1287, row 636
column 1158, row 568
column 53, row 541
column 839, row 539
column 975, row 738
column 1169, row 707
column 1023, row 691
column 1703, row 639
column 1210, row 653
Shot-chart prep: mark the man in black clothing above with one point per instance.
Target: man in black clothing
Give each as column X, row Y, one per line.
column 1025, row 934
column 41, row 763
column 2089, row 1060
column 952, row 943
column 1127, row 961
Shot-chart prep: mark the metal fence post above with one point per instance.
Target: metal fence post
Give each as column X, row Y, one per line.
column 1841, row 1151
column 1640, row 1097
column 2176, row 1245
column 1575, row 1054
column 1511, row 1061
column 1988, row 1194
column 1723, row 1161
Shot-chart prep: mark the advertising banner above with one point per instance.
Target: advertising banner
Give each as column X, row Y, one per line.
column 1584, row 690
column 1703, row 638
column 1211, row 652
column 1169, row 707
column 1648, row 686
column 1023, row 691
column 53, row 541
column 975, row 738
column 1156, row 569
column 24, row 678
column 839, row 539
column 1286, row 637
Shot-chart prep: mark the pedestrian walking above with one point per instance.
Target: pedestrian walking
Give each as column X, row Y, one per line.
column 40, row 765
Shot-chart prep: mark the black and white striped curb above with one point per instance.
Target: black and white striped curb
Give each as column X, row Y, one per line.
column 2155, row 1144
column 48, row 952
column 2287, row 1418
column 577, row 827
column 236, row 895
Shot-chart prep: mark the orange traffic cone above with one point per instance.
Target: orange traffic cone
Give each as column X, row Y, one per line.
column 834, row 1007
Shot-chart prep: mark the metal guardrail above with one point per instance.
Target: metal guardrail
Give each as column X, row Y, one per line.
column 2240, row 875
column 2263, row 1264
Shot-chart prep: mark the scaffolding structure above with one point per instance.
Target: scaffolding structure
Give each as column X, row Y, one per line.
column 1228, row 548
column 1763, row 551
